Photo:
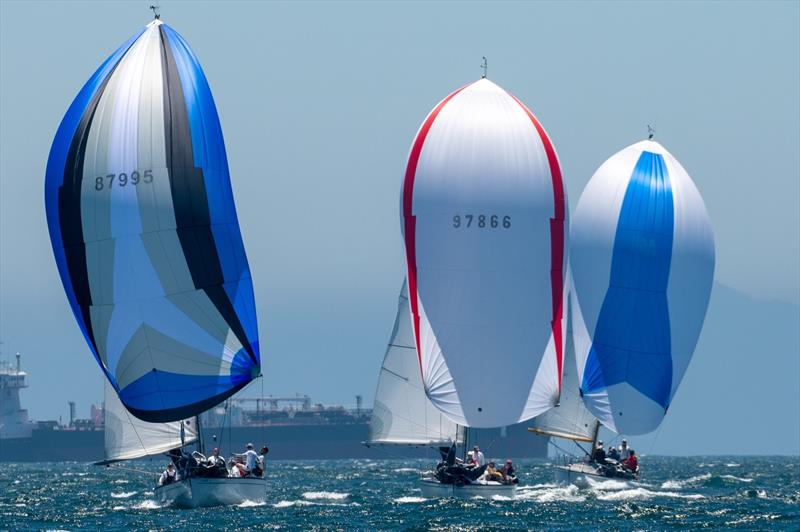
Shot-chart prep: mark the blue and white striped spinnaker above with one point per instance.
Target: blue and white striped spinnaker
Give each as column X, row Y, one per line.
column 642, row 261
column 145, row 235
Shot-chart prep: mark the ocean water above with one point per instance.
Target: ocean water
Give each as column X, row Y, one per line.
column 740, row 493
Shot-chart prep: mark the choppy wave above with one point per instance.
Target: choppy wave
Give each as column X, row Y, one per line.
column 643, row 494
column 763, row 493
column 325, row 495
column 706, row 479
column 123, row 495
column 409, row 500
column 679, row 484
column 608, row 484
column 251, row 504
column 147, row 505
column 288, row 504
column 552, row 493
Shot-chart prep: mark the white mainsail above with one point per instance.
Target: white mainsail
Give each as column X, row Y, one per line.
column 402, row 413
column 569, row 419
column 128, row 438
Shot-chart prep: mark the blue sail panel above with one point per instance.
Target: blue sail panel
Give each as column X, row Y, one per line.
column 145, row 233
column 642, row 262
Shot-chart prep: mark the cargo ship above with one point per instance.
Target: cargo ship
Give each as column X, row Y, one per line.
column 294, row 428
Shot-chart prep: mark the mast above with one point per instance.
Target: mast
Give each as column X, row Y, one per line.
column 199, row 434
column 594, row 436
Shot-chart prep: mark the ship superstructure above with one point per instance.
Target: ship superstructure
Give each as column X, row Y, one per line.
column 14, row 422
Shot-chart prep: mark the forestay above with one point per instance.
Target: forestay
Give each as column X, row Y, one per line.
column 483, row 218
column 569, row 419
column 402, row 413
column 128, row 438
column 145, row 234
column 642, row 259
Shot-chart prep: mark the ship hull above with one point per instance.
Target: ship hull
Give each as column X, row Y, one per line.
column 285, row 442
column 204, row 492
column 584, row 475
column 432, row 488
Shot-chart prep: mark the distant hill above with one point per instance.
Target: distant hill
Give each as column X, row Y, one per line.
column 741, row 393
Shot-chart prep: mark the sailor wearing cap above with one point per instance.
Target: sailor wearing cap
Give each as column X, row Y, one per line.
column 599, row 455
column 250, row 459
column 624, row 451
column 477, row 456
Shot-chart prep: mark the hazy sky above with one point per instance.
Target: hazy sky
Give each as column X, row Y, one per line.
column 319, row 103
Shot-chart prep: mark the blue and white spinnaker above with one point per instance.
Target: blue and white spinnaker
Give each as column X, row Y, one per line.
column 145, row 234
column 642, row 260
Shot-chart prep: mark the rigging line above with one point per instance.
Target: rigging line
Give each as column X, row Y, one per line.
column 263, row 427
column 395, row 374
column 551, row 442
column 140, row 471
column 402, row 346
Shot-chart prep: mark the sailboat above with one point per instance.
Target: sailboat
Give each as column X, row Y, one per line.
column 642, row 266
column 570, row 421
column 484, row 225
column 147, row 243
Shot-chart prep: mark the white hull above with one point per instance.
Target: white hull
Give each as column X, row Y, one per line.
column 583, row 475
column 194, row 492
column 432, row 488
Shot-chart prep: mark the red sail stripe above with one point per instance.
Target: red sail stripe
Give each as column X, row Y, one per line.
column 409, row 220
column 557, row 226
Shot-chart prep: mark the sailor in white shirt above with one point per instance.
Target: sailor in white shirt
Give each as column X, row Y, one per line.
column 168, row 476
column 477, row 455
column 250, row 459
column 624, row 451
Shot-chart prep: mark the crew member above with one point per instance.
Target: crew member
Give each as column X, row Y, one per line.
column 624, row 452
column 508, row 471
column 477, row 456
column 632, row 463
column 491, row 473
column 251, row 461
column 168, row 476
column 262, row 458
column 599, row 455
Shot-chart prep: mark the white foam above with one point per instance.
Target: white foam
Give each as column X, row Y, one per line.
column 405, row 470
column 644, row 494
column 148, row 505
column 732, row 464
column 121, row 481
column 537, row 486
column 123, row 495
column 325, row 495
column 569, row 493
column 117, row 508
column 251, row 504
column 607, row 485
column 288, row 504
column 738, row 479
column 679, row 484
column 409, row 500
column 502, row 498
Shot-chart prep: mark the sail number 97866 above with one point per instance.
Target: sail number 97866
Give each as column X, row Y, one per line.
column 492, row 221
column 123, row 179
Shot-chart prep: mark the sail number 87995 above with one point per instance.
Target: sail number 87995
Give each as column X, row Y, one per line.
column 492, row 221
column 123, row 179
